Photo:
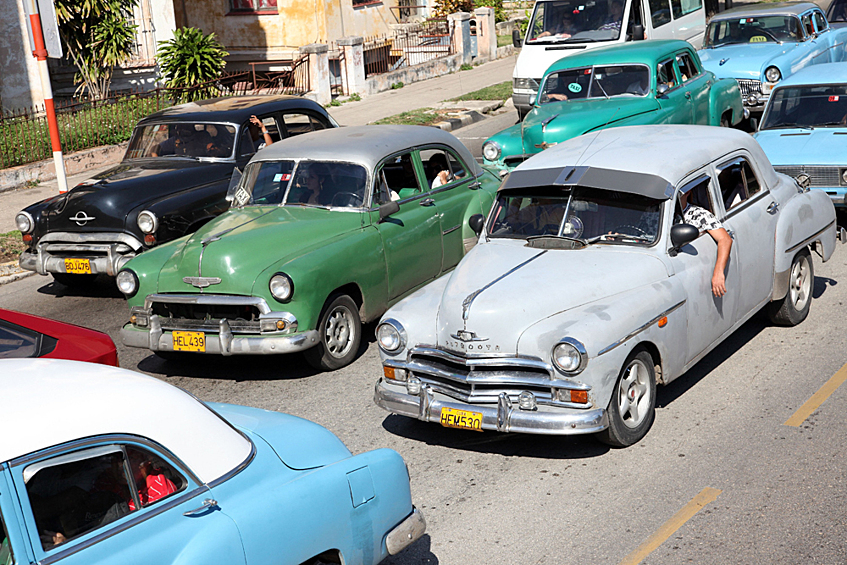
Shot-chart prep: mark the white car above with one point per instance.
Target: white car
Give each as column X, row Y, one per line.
column 585, row 292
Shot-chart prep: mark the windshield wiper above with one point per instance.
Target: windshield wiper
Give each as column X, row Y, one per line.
column 789, row 125
column 578, row 40
column 832, row 124
column 192, row 157
column 620, row 236
column 533, row 238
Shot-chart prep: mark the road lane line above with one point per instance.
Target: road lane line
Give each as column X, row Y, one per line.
column 818, row 398
column 706, row 496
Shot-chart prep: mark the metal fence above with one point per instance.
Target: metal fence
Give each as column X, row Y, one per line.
column 412, row 45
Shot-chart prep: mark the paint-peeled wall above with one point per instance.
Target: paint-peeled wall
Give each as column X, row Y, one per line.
column 20, row 84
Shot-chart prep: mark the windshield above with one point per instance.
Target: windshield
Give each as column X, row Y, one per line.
column 837, row 11
column 594, row 82
column 182, row 140
column 807, row 106
column 323, row 184
column 766, row 29
column 575, row 21
column 592, row 215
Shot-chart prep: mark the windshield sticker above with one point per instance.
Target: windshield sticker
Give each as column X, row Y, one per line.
column 242, row 197
column 758, row 39
column 574, row 87
column 833, row 98
column 284, row 177
column 587, row 72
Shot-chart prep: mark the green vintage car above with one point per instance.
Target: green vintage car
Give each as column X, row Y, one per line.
column 326, row 231
column 637, row 83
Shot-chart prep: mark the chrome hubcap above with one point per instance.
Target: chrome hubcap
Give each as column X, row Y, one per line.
column 634, row 394
column 800, row 283
column 339, row 332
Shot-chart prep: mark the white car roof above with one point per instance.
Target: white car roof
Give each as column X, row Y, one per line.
column 670, row 152
column 47, row 402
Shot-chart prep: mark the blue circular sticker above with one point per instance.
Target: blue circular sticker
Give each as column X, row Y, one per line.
column 575, row 87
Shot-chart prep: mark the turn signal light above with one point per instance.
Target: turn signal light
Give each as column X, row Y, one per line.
column 663, row 322
column 280, row 324
column 389, row 373
column 149, row 239
column 580, row 396
column 27, row 237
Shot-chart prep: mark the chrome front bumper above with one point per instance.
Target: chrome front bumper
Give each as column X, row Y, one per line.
column 504, row 417
column 106, row 252
column 406, row 532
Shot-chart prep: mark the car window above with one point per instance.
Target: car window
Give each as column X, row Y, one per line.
column 246, row 146
column 273, row 129
column 687, row 68
column 682, row 7
column 698, row 195
column 297, row 124
column 440, row 167
column 737, row 182
column 660, row 12
column 184, row 139
column 16, row 341
column 397, row 178
column 820, row 21
column 317, row 124
column 456, row 166
column 665, row 74
column 807, row 24
column 154, row 478
column 6, row 556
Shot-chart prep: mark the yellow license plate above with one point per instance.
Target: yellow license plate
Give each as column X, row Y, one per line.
column 189, row 341
column 78, row 266
column 464, row 419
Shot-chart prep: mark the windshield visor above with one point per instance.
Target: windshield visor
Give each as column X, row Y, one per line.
column 302, row 183
column 576, row 22
column 596, row 82
column 581, row 213
column 767, row 29
column 182, row 140
column 807, row 106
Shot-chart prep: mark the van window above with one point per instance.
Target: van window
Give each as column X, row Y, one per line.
column 684, row 7
column 660, row 12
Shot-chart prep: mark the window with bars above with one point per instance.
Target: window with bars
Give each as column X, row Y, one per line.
column 251, row 6
column 357, row 3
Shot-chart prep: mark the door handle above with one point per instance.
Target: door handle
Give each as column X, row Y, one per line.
column 475, row 185
column 773, row 208
column 207, row 504
column 688, row 95
column 427, row 202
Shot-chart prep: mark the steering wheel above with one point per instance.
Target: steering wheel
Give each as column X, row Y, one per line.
column 622, row 230
column 352, row 201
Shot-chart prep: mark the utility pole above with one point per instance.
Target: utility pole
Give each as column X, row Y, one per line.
column 41, row 50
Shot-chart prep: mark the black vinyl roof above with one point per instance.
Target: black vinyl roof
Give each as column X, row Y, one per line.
column 234, row 109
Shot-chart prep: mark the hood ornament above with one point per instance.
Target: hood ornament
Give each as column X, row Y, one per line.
column 81, row 218
column 464, row 335
column 722, row 61
column 201, row 282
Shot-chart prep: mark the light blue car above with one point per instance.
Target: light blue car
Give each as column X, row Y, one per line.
column 100, row 465
column 804, row 129
column 761, row 45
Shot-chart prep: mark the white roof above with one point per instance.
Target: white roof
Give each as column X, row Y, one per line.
column 46, row 402
column 667, row 151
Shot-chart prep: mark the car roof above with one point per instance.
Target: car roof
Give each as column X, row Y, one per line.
column 366, row 145
column 643, row 52
column 765, row 9
column 233, row 109
column 48, row 402
column 663, row 154
column 825, row 73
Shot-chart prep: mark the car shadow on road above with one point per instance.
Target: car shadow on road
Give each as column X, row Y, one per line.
column 419, row 552
column 820, row 286
column 101, row 287
column 522, row 445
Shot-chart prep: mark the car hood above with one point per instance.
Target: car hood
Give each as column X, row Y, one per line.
column 820, row 146
column 743, row 60
column 110, row 196
column 565, row 120
column 487, row 293
column 241, row 243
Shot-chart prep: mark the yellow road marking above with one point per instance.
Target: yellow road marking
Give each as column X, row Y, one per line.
column 818, row 398
column 706, row 496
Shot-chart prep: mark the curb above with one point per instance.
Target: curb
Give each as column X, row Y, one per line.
column 11, row 272
column 464, row 119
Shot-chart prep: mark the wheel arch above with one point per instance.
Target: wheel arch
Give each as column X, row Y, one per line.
column 654, row 352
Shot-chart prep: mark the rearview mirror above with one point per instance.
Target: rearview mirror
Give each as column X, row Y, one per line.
column 516, row 37
column 682, row 235
column 476, row 222
column 387, row 209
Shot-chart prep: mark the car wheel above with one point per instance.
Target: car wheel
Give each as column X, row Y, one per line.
column 633, row 405
column 726, row 120
column 73, row 281
column 340, row 331
column 794, row 308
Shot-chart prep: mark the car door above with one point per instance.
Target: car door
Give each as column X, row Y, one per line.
column 300, row 122
column 709, row 317
column 676, row 106
column 13, row 546
column 696, row 86
column 120, row 502
column 411, row 237
column 750, row 216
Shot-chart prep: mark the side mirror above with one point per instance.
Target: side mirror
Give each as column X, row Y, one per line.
column 387, row 209
column 637, row 32
column 682, row 235
column 516, row 38
column 233, row 184
column 661, row 89
column 532, row 98
column 476, row 222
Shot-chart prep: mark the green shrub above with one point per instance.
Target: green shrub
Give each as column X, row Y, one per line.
column 189, row 59
column 499, row 12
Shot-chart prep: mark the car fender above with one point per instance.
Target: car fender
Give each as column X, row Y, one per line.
column 805, row 219
column 487, row 183
column 510, row 141
column 147, row 266
column 725, row 96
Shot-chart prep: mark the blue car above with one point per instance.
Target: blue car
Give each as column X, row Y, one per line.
column 100, row 465
column 761, row 45
column 804, row 129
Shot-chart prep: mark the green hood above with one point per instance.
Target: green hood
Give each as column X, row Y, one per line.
column 246, row 242
column 574, row 118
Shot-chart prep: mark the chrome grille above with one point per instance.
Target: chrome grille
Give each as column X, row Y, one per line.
column 241, row 318
column 822, row 177
column 749, row 86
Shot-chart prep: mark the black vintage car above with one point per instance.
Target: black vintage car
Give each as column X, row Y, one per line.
column 173, row 179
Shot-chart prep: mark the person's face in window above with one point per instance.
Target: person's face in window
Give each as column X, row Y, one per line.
column 616, row 11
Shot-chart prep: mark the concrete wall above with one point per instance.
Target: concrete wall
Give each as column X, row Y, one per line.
column 20, row 85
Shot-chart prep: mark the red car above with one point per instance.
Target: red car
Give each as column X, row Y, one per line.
column 25, row 335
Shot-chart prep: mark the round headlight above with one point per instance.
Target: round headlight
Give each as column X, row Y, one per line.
column 390, row 336
column 282, row 287
column 844, row 176
column 772, row 74
column 569, row 356
column 24, row 222
column 148, row 222
column 491, row 150
column 127, row 282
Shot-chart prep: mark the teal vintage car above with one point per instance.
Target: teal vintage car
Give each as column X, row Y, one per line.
column 637, row 83
column 325, row 231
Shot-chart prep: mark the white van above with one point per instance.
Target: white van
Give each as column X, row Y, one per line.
column 559, row 28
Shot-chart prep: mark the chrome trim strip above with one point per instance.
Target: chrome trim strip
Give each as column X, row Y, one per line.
column 406, row 532
column 809, row 239
column 640, row 329
column 215, row 299
column 580, row 348
column 468, row 301
column 241, row 466
column 506, row 359
column 451, row 230
column 64, row 237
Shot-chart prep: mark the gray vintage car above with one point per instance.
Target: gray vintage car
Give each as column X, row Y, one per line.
column 586, row 290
